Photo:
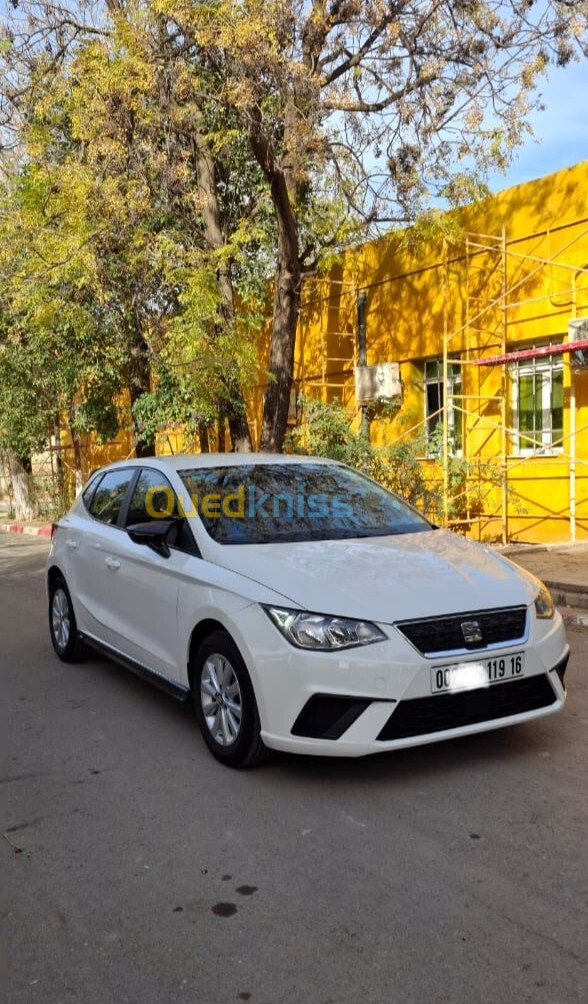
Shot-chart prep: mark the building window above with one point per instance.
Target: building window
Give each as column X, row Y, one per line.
column 434, row 403
column 537, row 402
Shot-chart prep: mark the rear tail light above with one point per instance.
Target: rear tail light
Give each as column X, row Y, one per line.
column 53, row 529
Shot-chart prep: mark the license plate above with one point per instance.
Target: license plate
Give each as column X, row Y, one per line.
column 470, row 675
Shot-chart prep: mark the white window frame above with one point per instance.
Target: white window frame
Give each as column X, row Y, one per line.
column 544, row 442
column 453, row 414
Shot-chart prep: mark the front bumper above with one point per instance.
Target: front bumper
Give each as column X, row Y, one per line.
column 378, row 697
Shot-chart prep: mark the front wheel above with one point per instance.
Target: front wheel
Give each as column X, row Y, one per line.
column 225, row 703
column 62, row 623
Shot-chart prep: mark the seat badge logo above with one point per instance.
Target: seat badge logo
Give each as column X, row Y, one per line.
column 471, row 631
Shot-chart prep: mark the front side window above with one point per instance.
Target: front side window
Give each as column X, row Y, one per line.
column 435, row 400
column 537, row 404
column 110, row 495
column 281, row 503
column 153, row 498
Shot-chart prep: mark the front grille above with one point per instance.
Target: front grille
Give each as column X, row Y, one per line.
column 444, row 634
column 328, row 716
column 423, row 715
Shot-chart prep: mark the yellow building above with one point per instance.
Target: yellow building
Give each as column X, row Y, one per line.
column 447, row 314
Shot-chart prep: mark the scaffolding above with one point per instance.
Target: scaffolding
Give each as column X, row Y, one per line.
column 482, row 311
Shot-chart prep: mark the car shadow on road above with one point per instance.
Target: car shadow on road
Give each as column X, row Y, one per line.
column 478, row 751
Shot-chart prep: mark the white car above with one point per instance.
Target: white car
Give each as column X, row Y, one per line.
column 300, row 605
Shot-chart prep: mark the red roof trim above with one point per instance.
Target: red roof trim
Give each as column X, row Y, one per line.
column 546, row 350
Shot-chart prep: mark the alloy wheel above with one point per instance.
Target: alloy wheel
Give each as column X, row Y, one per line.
column 60, row 619
column 220, row 698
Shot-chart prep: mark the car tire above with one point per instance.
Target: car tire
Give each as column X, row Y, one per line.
column 63, row 628
column 225, row 704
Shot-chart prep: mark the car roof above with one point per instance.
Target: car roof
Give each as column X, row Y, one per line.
column 188, row 461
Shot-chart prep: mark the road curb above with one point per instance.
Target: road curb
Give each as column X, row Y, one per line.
column 25, row 528
column 574, row 618
column 518, row 549
column 570, row 597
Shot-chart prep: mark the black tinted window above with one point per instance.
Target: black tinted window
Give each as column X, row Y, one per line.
column 110, row 495
column 91, row 488
column 272, row 503
column 153, row 498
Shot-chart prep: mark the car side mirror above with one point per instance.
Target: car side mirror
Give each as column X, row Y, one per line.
column 153, row 534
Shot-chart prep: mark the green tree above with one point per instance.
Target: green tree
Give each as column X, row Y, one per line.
column 137, row 170
column 60, row 351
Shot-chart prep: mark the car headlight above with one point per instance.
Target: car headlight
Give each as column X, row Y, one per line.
column 544, row 607
column 321, row 632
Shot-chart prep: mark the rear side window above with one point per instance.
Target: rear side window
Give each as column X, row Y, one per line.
column 91, row 488
column 110, row 495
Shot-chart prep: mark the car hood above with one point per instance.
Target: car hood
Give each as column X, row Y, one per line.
column 384, row 579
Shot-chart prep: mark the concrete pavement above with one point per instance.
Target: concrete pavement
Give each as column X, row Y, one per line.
column 137, row 869
column 564, row 569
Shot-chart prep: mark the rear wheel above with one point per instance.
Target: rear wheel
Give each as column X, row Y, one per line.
column 225, row 703
column 62, row 623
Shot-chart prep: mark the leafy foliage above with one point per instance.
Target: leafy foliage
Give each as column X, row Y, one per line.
column 327, row 432
column 121, row 253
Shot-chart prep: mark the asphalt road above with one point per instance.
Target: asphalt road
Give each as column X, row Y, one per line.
column 138, row 869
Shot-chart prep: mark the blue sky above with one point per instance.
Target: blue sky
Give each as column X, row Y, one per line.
column 562, row 129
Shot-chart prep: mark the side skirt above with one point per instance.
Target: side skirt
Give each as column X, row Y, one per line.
column 170, row 687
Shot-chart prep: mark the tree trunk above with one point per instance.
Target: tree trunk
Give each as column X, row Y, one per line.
column 59, row 472
column 234, row 405
column 276, row 402
column 283, row 189
column 203, row 437
column 238, row 424
column 220, row 432
column 20, row 470
column 140, row 383
column 77, row 460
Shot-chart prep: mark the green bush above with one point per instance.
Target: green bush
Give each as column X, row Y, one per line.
column 326, row 432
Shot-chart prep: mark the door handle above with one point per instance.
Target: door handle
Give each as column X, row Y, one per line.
column 72, row 544
column 112, row 563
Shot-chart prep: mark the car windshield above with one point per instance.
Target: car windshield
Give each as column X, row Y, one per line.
column 280, row 503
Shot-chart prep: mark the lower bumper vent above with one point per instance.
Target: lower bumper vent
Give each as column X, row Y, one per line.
column 423, row 715
column 325, row 716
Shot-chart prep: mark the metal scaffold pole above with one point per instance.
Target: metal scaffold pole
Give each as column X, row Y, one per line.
column 445, row 387
column 572, row 467
column 504, row 392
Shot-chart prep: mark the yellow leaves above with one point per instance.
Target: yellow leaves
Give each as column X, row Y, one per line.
column 532, row 69
column 393, row 31
column 474, row 117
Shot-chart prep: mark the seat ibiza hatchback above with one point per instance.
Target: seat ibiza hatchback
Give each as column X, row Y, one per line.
column 300, row 606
